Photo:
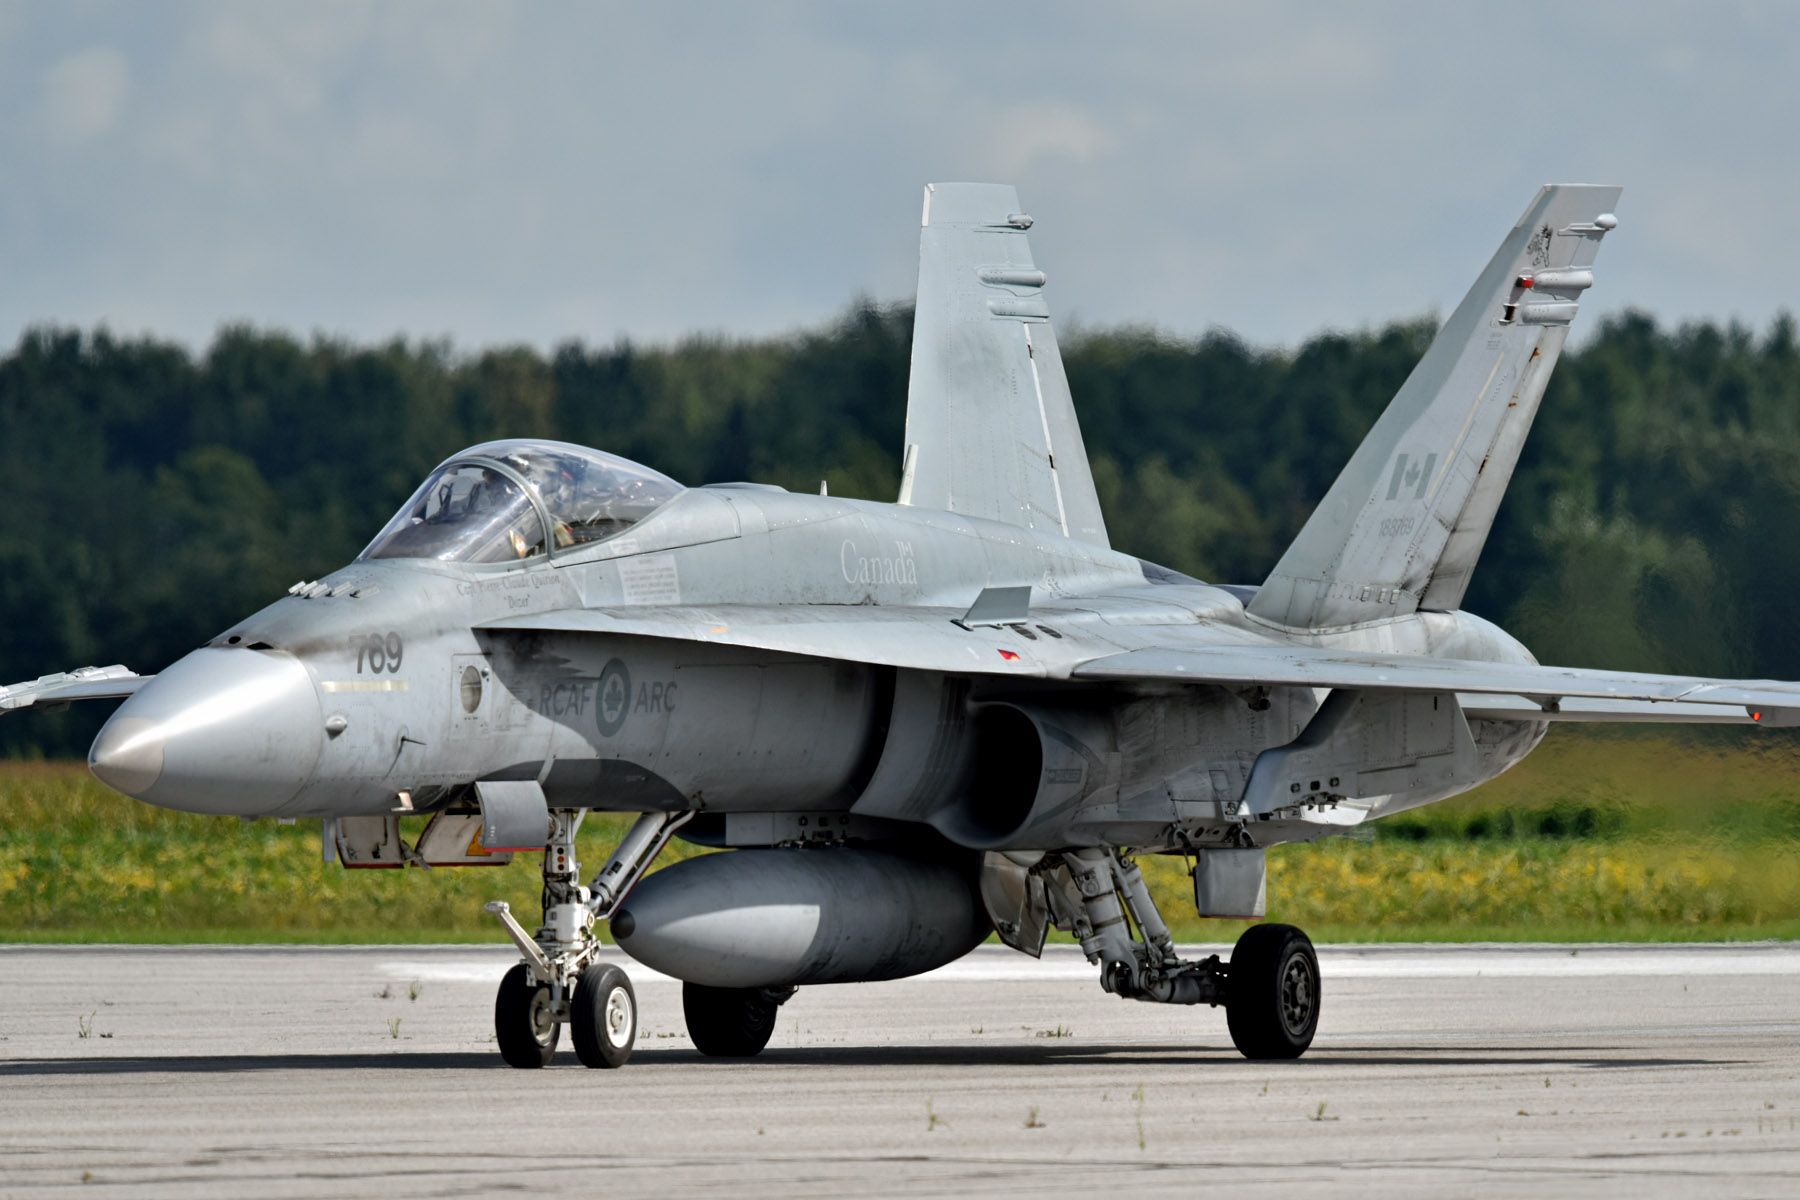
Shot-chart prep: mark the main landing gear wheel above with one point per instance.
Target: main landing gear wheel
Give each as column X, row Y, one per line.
column 525, row 1020
column 1272, row 992
column 603, row 1016
column 730, row 1022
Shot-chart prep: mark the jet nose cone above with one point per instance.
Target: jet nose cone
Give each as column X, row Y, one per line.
column 128, row 755
column 221, row 731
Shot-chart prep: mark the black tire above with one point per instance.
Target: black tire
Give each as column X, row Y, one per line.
column 523, row 1024
column 729, row 1022
column 603, row 1017
column 1272, row 992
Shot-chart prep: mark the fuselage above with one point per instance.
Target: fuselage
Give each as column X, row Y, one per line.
column 395, row 682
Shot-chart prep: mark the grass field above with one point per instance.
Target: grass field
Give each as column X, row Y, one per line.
column 1593, row 838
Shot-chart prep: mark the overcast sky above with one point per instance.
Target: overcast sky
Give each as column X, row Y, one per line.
column 498, row 172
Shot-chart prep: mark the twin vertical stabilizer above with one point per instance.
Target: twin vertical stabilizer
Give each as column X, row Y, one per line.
column 1403, row 525
column 990, row 427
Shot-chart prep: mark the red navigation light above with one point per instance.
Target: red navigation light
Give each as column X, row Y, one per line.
column 1010, row 655
column 1755, row 715
column 1526, row 281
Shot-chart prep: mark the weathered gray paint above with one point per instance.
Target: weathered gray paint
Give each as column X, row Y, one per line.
column 747, row 651
column 1402, row 526
column 990, row 425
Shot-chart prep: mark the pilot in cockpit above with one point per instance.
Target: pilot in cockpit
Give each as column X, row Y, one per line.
column 484, row 506
column 555, row 478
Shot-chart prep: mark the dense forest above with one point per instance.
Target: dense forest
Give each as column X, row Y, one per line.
column 153, row 496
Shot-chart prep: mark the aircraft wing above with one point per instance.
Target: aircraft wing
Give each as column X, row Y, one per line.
column 920, row 639
column 931, row 639
column 1592, row 695
column 87, row 683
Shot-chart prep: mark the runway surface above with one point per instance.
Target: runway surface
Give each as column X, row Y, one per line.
column 1524, row 1071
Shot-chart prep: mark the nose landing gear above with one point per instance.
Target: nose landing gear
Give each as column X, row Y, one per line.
column 561, row 982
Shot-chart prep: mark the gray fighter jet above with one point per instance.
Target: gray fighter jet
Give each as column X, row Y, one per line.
column 911, row 725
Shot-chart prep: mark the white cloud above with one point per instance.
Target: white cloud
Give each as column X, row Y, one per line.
column 1025, row 135
column 84, row 93
column 496, row 172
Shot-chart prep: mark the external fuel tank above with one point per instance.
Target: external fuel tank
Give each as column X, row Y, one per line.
column 786, row 917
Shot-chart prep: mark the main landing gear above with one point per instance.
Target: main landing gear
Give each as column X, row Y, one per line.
column 1272, row 992
column 1269, row 988
column 561, row 982
column 731, row 1022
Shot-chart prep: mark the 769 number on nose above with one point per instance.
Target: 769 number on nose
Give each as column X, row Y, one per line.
column 378, row 652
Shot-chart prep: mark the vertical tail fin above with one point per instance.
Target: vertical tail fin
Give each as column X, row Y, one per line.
column 1403, row 525
column 990, row 426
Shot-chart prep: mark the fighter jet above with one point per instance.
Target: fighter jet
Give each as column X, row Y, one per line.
column 908, row 726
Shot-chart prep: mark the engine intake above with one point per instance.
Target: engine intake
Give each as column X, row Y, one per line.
column 990, row 773
column 1032, row 768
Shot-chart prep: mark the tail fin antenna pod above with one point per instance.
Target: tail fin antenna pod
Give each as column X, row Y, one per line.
column 1403, row 525
column 990, row 426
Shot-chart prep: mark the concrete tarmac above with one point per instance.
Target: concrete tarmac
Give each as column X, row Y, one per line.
column 1444, row 1070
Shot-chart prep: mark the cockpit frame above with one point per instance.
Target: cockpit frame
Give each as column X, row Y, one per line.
column 555, row 526
column 531, row 494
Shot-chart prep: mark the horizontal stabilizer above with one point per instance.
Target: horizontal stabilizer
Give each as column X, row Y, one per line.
column 1775, row 702
column 1583, row 710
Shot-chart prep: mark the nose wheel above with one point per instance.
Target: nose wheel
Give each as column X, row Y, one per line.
column 525, row 1020
column 562, row 982
column 603, row 1017
column 600, row 1011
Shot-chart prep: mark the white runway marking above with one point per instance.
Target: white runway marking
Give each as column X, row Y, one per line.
column 995, row 964
column 1538, row 961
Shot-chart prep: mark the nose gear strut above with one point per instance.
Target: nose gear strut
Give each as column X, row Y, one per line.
column 560, row 983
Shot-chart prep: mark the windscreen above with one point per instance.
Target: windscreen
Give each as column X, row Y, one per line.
column 465, row 513
column 472, row 511
column 589, row 494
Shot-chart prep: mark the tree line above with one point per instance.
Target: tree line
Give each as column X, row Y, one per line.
column 154, row 495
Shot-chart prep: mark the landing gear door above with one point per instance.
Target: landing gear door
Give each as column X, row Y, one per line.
column 1015, row 901
column 364, row 842
column 1231, row 883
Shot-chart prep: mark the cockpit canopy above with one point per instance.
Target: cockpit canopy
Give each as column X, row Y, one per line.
column 504, row 501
